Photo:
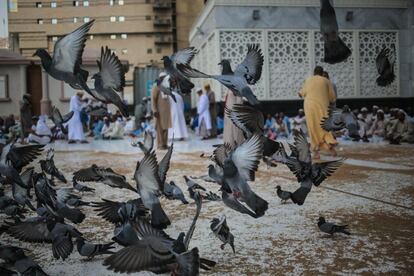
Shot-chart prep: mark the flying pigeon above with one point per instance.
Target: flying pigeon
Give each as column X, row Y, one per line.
column 182, row 57
column 222, row 231
column 192, row 184
column 164, row 165
column 81, row 188
column 335, row 49
column 283, row 195
column 48, row 166
column 22, row 263
column 110, row 210
column 247, row 73
column 385, row 65
column 172, row 191
column 91, row 250
column 67, row 58
column 331, row 228
column 22, row 195
column 110, row 80
column 166, row 87
column 60, row 120
column 148, row 144
column 334, row 120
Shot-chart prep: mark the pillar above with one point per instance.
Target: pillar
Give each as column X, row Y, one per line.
column 45, row 102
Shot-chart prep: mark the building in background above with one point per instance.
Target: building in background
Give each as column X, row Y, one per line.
column 4, row 26
column 288, row 33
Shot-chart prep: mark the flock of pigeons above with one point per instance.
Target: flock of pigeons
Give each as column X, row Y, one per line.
column 139, row 224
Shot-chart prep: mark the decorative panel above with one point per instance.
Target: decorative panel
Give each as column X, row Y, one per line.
column 233, row 46
column 289, row 63
column 341, row 74
column 370, row 44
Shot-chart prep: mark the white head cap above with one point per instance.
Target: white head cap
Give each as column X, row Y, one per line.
column 162, row 74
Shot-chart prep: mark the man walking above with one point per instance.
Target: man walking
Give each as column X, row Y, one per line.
column 213, row 110
column 75, row 127
column 160, row 105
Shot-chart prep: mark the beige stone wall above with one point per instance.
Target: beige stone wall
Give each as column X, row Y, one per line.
column 187, row 11
column 17, row 87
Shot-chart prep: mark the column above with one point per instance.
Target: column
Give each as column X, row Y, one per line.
column 45, row 101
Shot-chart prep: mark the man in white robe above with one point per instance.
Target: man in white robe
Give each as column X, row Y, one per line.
column 179, row 128
column 75, row 127
column 41, row 133
column 204, row 119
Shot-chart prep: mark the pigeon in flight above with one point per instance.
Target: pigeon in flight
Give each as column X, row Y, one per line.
column 334, row 120
column 385, row 65
column 283, row 195
column 247, row 73
column 67, row 58
column 17, row 258
column 111, row 210
column 191, row 184
column 110, row 80
column 91, row 250
column 335, row 49
column 148, row 144
column 166, row 86
column 222, row 231
column 22, row 195
column 172, row 191
column 104, row 175
column 48, row 166
column 60, row 120
column 182, row 57
column 81, row 188
column 331, row 228
column 306, row 172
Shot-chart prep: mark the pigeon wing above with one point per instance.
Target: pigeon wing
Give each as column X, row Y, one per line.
column 86, row 175
column 31, row 231
column 251, row 66
column 146, row 174
column 56, row 116
column 189, row 72
column 382, row 61
column 111, row 70
column 189, row 235
column 246, row 157
column 148, row 141
column 23, row 155
column 247, row 118
column 67, row 54
column 221, row 153
column 302, row 147
column 67, row 117
column 184, row 56
column 320, row 171
column 333, row 121
column 108, row 210
column 164, row 164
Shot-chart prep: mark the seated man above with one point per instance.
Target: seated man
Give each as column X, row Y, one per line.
column 41, row 133
column 129, row 127
column 299, row 122
column 377, row 131
column 399, row 129
column 115, row 130
column 281, row 128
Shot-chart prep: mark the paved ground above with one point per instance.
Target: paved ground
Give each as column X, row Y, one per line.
column 286, row 240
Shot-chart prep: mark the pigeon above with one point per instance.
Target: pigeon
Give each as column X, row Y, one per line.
column 124, row 232
column 22, row 195
column 10, row 207
column 81, row 188
column 150, row 187
column 335, row 50
column 91, row 250
column 171, row 63
column 22, row 263
column 164, row 165
column 166, row 87
column 306, row 172
column 110, row 80
column 67, row 58
column 60, row 209
column 98, row 111
column 110, row 210
column 331, row 228
column 193, row 185
column 247, row 73
column 222, row 231
column 48, row 166
column 334, row 121
column 283, row 195
column 385, row 65
column 148, row 144
column 60, row 120
column 103, row 175
column 172, row 191
column 75, row 202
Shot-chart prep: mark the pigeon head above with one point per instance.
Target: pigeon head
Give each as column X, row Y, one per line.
column 44, row 56
column 167, row 61
column 278, row 187
column 96, row 76
column 321, row 220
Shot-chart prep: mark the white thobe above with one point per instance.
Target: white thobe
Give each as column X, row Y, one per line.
column 179, row 128
column 75, row 127
column 203, row 111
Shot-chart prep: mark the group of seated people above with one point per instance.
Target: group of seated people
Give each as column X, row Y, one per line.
column 281, row 126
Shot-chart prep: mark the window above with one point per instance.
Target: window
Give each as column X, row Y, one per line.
column 91, row 37
column 124, row 51
column 54, row 38
column 124, row 36
column 121, row 2
column 121, row 18
column 54, row 21
column 75, row 3
column 111, row 2
column 75, row 20
column 148, row 17
column 38, row 4
column 113, row 36
column 86, row 19
column 4, row 89
column 113, row 19
column 40, row 21
column 53, row 4
column 86, row 3
column 159, row 50
column 149, row 51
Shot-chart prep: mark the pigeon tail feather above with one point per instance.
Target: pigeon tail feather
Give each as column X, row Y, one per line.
column 385, row 80
column 300, row 195
column 336, row 51
column 257, row 204
column 159, row 218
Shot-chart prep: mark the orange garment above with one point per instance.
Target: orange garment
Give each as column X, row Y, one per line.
column 318, row 93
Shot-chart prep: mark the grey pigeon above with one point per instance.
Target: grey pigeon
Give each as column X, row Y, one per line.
column 306, row 172
column 166, row 87
column 124, row 232
column 81, row 188
column 75, row 202
column 67, row 58
column 148, row 144
column 335, row 49
column 98, row 111
column 110, row 80
column 103, row 175
column 62, row 244
column 232, row 202
column 111, row 210
column 60, row 209
column 172, row 191
column 91, row 250
column 385, row 65
column 164, row 164
column 192, row 184
column 48, row 166
column 60, row 120
column 247, row 73
column 22, row 263
column 222, row 231
column 334, row 121
column 283, row 195
column 22, row 195
column 150, row 188
column 171, row 63
column 331, row 228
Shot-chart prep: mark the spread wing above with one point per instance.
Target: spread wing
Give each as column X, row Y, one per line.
column 247, row 156
column 334, row 120
column 30, row 231
column 67, row 117
column 164, row 164
column 221, row 153
column 56, row 116
column 108, row 210
column 382, row 61
column 148, row 141
column 146, row 174
column 302, row 147
column 86, row 175
column 251, row 66
column 111, row 70
column 320, row 171
column 247, row 118
column 189, row 72
column 23, row 155
column 67, row 54
column 184, row 56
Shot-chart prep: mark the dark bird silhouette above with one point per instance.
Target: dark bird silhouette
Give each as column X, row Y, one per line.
column 60, row 120
column 81, row 188
column 335, row 49
column 283, row 195
column 91, row 250
column 17, row 258
column 48, row 166
column 148, row 144
column 111, row 210
column 331, row 228
column 385, row 65
column 222, row 231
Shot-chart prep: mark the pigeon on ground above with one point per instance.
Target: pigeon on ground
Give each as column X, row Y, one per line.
column 81, row 188
column 91, row 250
column 148, row 144
column 283, row 195
column 385, row 65
column 67, row 58
column 103, row 175
column 60, row 120
column 193, row 185
column 11, row 207
column 150, row 187
column 75, row 202
column 335, row 49
column 222, row 231
column 331, row 228
column 60, row 209
column 306, row 172
column 110, row 80
column 22, row 263
column 172, row 191
column 48, row 166
column 247, row 72
column 110, row 210
column 182, row 57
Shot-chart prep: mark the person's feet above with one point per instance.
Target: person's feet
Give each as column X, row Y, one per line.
column 84, row 142
column 71, row 142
